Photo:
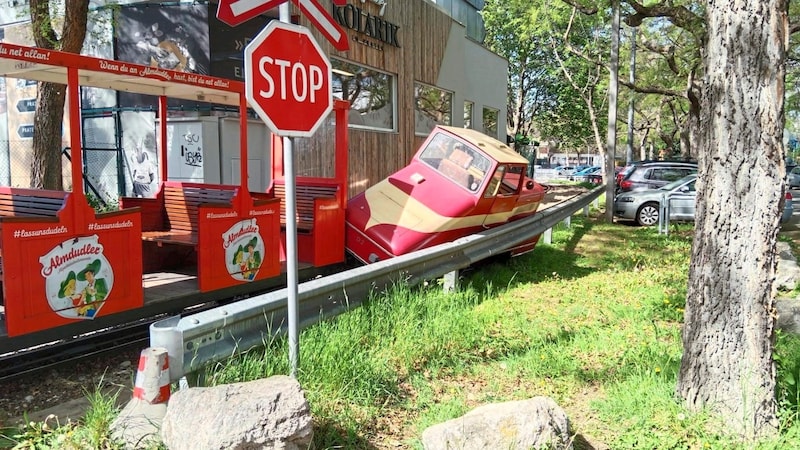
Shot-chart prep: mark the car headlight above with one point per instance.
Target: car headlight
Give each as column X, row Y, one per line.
column 625, row 199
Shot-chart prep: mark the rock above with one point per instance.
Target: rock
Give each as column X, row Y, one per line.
column 537, row 423
column 788, row 271
column 264, row 414
column 788, row 315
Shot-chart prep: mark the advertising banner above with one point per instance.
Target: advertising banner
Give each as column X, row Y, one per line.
column 238, row 248
column 173, row 37
column 59, row 274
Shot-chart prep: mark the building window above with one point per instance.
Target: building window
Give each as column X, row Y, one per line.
column 370, row 93
column 433, row 106
column 490, row 122
column 468, row 107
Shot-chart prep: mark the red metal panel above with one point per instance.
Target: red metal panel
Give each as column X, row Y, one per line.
column 328, row 232
column 236, row 248
column 55, row 273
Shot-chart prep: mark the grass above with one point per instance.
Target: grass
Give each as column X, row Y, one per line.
column 592, row 321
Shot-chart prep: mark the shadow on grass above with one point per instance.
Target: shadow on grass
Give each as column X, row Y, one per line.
column 328, row 434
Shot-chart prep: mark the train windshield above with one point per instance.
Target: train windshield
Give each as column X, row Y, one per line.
column 456, row 161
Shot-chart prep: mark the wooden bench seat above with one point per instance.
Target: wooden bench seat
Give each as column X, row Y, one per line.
column 304, row 199
column 181, row 202
column 31, row 203
column 16, row 202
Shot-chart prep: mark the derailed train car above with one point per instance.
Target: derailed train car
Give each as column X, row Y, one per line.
column 459, row 182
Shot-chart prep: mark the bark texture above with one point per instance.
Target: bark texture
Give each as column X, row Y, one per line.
column 728, row 336
column 49, row 115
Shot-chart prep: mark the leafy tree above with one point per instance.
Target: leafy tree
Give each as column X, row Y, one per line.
column 541, row 104
column 735, row 117
column 49, row 114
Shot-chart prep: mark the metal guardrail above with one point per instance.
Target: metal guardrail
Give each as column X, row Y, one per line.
column 219, row 333
column 664, row 208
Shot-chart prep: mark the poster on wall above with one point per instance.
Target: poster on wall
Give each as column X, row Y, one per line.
column 185, row 151
column 173, row 37
column 140, row 153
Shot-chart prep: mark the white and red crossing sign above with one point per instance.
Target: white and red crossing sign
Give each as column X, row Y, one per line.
column 235, row 12
column 288, row 79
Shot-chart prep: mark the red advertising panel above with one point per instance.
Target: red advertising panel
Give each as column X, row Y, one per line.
column 238, row 248
column 55, row 274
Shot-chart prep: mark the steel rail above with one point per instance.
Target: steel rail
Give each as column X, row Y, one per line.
column 210, row 336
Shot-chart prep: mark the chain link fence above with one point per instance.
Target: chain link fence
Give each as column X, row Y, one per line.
column 104, row 169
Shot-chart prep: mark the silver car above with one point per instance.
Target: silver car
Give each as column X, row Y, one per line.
column 644, row 206
column 793, row 177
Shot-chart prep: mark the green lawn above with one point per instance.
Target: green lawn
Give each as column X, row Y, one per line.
column 592, row 321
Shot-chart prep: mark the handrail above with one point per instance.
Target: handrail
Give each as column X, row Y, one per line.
column 219, row 333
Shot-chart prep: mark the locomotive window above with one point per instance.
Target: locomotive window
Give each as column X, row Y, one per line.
column 494, row 183
column 456, row 160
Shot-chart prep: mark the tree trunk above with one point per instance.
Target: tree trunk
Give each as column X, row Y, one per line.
column 49, row 115
column 47, row 125
column 728, row 333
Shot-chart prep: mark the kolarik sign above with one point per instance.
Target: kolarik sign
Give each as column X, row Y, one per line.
column 355, row 18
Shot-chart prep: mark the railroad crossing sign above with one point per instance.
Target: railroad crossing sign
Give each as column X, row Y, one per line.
column 235, row 12
column 288, row 79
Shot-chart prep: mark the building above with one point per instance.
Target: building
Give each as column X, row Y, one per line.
column 410, row 65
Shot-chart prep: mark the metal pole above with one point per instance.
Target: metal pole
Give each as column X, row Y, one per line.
column 611, row 136
column 291, row 239
column 631, row 79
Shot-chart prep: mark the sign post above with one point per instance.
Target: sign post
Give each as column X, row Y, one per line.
column 288, row 84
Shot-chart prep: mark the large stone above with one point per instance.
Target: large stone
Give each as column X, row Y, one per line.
column 265, row 414
column 537, row 423
column 788, row 315
column 788, row 271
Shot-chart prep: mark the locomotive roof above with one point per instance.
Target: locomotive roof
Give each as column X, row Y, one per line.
column 495, row 149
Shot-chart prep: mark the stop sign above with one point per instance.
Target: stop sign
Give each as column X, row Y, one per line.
column 288, row 79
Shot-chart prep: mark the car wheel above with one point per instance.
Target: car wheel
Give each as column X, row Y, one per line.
column 647, row 215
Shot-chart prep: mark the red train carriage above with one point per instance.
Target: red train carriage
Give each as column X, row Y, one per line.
column 67, row 270
column 460, row 182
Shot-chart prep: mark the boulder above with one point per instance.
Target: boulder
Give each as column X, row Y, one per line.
column 788, row 315
column 788, row 271
column 264, row 414
column 536, row 423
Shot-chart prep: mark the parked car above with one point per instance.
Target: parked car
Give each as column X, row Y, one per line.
column 644, row 206
column 793, row 177
column 582, row 175
column 564, row 170
column 653, row 175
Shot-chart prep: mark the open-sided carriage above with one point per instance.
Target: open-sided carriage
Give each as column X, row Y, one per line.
column 68, row 270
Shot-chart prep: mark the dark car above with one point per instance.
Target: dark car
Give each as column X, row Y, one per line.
column 655, row 174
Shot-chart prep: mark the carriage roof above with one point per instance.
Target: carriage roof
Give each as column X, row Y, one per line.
column 493, row 148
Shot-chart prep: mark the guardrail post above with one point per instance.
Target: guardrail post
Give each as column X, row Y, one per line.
column 586, row 211
column 451, row 282
column 547, row 236
column 663, row 215
column 568, row 221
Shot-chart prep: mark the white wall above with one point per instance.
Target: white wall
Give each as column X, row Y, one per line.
column 474, row 74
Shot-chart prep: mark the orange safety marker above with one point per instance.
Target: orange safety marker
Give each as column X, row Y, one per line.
column 152, row 378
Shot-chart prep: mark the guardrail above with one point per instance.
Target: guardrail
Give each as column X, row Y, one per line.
column 219, row 333
column 664, row 209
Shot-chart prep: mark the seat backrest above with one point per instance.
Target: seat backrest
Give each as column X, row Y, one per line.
column 461, row 158
column 456, row 173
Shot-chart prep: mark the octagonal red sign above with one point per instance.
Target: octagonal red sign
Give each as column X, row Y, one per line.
column 288, row 79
